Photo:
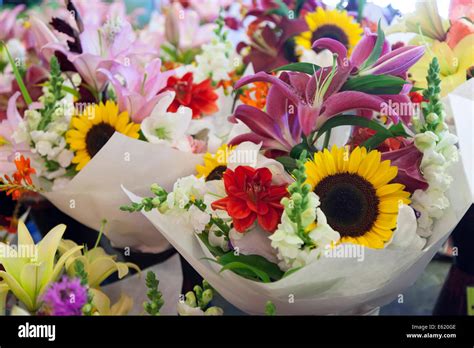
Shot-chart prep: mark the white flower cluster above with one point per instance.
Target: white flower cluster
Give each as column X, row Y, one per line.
column 216, row 61
column 186, row 190
column 292, row 252
column 439, row 153
column 48, row 143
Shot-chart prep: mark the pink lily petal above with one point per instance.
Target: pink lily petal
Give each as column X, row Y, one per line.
column 397, row 62
column 335, row 47
column 353, row 100
column 365, row 46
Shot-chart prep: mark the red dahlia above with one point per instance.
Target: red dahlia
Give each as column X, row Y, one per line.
column 251, row 196
column 200, row 97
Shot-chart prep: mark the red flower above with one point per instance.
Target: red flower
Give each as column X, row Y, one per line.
column 200, row 97
column 251, row 196
column 360, row 135
column 416, row 97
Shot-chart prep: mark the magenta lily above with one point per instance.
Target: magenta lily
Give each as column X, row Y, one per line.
column 138, row 92
column 408, row 160
column 268, row 42
column 314, row 99
column 395, row 63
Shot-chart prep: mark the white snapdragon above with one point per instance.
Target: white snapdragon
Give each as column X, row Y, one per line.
column 439, row 152
column 291, row 249
column 216, row 61
column 185, row 190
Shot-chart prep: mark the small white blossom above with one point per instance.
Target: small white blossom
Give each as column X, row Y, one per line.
column 170, row 128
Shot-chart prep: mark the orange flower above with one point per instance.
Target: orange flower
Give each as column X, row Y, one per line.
column 23, row 170
column 21, row 181
column 256, row 95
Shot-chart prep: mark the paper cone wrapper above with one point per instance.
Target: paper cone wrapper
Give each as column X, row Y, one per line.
column 329, row 285
column 95, row 192
column 460, row 110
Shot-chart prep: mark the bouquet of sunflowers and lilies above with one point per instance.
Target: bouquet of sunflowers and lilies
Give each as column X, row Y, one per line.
column 335, row 199
column 91, row 100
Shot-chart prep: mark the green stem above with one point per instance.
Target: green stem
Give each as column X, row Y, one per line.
column 101, row 232
column 327, row 137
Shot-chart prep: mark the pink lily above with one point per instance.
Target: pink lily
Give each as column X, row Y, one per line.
column 138, row 92
column 395, row 63
column 408, row 160
column 183, row 28
column 8, row 146
column 9, row 26
column 319, row 97
column 100, row 48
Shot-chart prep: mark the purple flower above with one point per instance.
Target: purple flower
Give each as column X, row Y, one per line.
column 269, row 45
column 408, row 160
column 65, row 298
column 299, row 104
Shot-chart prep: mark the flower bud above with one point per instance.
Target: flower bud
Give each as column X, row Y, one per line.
column 207, row 296
column 190, row 299
column 172, row 24
column 214, row 311
column 432, row 118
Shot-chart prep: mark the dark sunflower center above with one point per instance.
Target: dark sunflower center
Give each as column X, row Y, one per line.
column 217, row 173
column 349, row 202
column 97, row 137
column 332, row 32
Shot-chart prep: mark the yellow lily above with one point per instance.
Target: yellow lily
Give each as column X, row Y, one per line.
column 97, row 263
column 4, row 289
column 102, row 304
column 425, row 20
column 30, row 268
column 454, row 64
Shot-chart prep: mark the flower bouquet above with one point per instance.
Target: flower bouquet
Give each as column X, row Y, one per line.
column 57, row 277
column 312, row 218
column 110, row 104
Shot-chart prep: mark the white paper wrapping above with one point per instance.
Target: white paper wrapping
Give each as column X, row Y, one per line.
column 95, row 192
column 328, row 286
column 460, row 108
column 171, row 279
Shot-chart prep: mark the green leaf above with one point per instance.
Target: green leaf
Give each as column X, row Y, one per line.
column 291, row 271
column 377, row 51
column 18, row 77
column 375, row 84
column 288, row 162
column 216, row 251
column 270, row 308
column 248, row 271
column 396, row 130
column 282, row 9
column 307, row 68
column 351, row 120
column 298, row 7
column 255, row 262
column 71, row 91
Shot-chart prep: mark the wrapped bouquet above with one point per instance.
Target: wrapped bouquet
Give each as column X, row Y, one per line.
column 111, row 101
column 343, row 189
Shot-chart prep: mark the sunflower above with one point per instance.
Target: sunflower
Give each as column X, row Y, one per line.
column 91, row 130
column 333, row 24
column 214, row 164
column 356, row 194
